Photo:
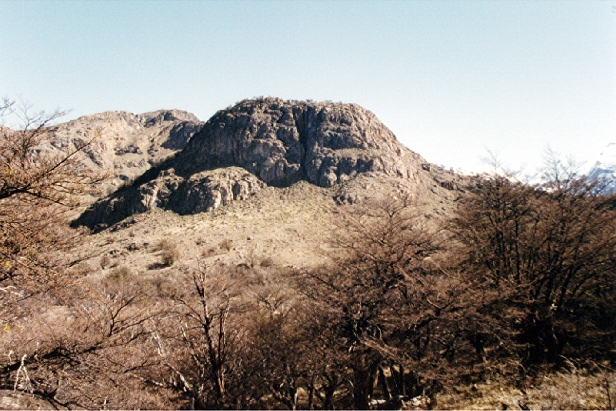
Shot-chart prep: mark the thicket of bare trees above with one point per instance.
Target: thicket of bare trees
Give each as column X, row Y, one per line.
column 550, row 252
column 59, row 337
column 37, row 189
column 392, row 303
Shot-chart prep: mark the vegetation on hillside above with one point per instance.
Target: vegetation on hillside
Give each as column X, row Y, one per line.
column 515, row 289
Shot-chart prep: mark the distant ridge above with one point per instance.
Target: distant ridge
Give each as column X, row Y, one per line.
column 604, row 168
column 126, row 144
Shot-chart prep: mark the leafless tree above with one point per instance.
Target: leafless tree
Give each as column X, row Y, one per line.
column 391, row 301
column 89, row 352
column 37, row 189
column 200, row 338
column 62, row 337
column 549, row 251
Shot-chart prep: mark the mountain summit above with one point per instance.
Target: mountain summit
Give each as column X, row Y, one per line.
column 282, row 142
column 258, row 143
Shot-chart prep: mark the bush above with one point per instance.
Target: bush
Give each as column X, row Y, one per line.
column 226, row 244
column 119, row 273
column 208, row 252
column 267, row 262
column 169, row 252
column 105, row 261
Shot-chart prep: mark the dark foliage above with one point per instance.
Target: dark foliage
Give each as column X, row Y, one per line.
column 550, row 253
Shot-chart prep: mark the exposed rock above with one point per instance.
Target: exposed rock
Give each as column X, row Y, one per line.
column 203, row 191
column 283, row 142
column 125, row 144
column 275, row 142
column 22, row 400
column 373, row 186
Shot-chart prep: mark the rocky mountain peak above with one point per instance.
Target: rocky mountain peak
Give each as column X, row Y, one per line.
column 157, row 117
column 282, row 142
column 161, row 116
column 261, row 142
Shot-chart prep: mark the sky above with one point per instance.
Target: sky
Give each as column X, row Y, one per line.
column 452, row 79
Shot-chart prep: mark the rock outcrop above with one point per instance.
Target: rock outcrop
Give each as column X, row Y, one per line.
column 283, row 142
column 124, row 144
column 260, row 142
column 202, row 191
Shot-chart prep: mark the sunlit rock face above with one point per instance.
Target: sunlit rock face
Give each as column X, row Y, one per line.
column 282, row 142
column 122, row 144
column 262, row 142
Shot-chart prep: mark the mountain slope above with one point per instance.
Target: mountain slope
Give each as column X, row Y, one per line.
column 605, row 168
column 125, row 144
column 265, row 142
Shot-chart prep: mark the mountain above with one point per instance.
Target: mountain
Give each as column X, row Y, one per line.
column 124, row 144
column 238, row 228
column 605, row 168
column 269, row 142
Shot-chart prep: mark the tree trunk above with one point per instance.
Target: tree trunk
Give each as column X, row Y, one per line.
column 328, row 402
column 384, row 385
column 361, row 388
column 363, row 382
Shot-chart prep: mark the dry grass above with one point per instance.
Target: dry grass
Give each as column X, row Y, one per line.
column 283, row 227
column 578, row 389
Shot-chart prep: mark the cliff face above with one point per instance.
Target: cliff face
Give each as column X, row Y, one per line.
column 282, row 142
column 263, row 142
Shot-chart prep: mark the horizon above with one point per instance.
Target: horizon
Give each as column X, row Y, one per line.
column 450, row 79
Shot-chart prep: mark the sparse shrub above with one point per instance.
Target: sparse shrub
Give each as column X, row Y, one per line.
column 226, row 244
column 119, row 273
column 208, row 252
column 82, row 269
column 105, row 261
column 168, row 252
column 267, row 262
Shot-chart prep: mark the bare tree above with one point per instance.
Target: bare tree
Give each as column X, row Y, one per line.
column 200, row 337
column 88, row 353
column 391, row 302
column 37, row 189
column 60, row 333
column 549, row 251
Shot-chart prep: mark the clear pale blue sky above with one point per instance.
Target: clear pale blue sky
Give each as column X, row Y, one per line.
column 450, row 78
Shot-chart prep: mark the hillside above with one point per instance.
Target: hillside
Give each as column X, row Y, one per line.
column 274, row 143
column 289, row 255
